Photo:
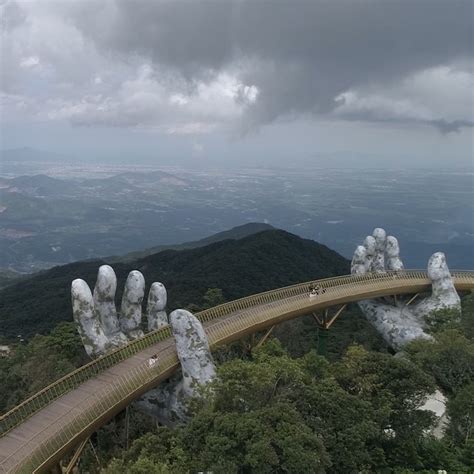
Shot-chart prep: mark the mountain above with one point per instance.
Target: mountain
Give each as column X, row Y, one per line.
column 237, row 232
column 9, row 276
column 39, row 185
column 240, row 267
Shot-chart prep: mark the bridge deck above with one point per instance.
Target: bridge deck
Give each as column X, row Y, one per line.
column 43, row 437
column 60, row 412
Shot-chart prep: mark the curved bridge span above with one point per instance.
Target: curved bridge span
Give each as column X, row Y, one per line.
column 40, row 431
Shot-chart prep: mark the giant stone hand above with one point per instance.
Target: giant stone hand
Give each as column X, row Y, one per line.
column 399, row 323
column 102, row 329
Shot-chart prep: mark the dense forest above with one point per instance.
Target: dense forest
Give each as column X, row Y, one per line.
column 240, row 267
column 284, row 408
column 280, row 407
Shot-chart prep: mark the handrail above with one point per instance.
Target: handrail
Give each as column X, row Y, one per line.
column 39, row 400
column 246, row 314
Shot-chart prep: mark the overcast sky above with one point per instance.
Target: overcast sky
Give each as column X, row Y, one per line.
column 282, row 81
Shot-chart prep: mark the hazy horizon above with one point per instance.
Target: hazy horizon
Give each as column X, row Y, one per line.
column 236, row 83
column 326, row 118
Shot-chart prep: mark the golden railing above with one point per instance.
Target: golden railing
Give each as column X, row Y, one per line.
column 223, row 323
column 75, row 378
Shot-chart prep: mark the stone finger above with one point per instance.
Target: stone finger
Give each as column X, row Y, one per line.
column 193, row 351
column 88, row 325
column 104, row 305
column 380, row 236
column 156, row 307
column 359, row 261
column 369, row 244
column 131, row 309
column 392, row 251
column 443, row 293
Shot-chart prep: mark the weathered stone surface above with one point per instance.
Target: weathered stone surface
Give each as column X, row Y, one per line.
column 398, row 323
column 104, row 305
column 156, row 307
column 444, row 294
column 359, row 261
column 436, row 403
column 99, row 327
column 392, row 251
column 378, row 264
column 89, row 327
column 131, row 310
column 193, row 351
column 369, row 244
column 156, row 404
column 168, row 402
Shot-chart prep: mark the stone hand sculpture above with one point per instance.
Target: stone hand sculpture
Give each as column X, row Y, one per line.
column 101, row 329
column 397, row 322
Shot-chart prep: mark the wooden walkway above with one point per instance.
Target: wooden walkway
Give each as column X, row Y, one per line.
column 43, row 429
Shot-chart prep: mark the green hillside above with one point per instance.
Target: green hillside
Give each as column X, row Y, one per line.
column 238, row 232
column 256, row 263
column 9, row 277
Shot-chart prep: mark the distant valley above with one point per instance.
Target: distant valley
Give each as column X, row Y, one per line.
column 68, row 213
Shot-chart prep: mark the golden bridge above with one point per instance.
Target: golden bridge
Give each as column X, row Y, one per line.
column 38, row 433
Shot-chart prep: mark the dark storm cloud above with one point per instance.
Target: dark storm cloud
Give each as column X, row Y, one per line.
column 300, row 54
column 445, row 126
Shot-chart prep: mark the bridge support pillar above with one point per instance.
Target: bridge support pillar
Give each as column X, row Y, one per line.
column 325, row 321
column 71, row 467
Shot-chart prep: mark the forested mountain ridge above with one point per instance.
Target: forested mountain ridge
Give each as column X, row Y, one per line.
column 238, row 232
column 259, row 262
column 9, row 277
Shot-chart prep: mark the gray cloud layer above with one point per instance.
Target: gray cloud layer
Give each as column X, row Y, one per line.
column 300, row 55
column 344, row 59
